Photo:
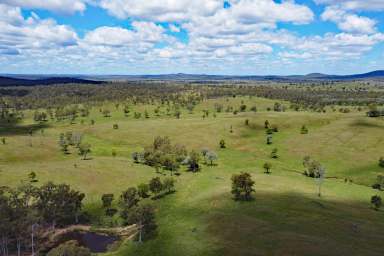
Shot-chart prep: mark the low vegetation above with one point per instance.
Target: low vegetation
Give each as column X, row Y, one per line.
column 197, row 168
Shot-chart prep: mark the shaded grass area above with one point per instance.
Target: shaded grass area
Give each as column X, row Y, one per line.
column 282, row 219
column 14, row 129
column 290, row 224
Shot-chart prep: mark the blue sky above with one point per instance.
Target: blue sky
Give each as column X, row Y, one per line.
column 239, row 37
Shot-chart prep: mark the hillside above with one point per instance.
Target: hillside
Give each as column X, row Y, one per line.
column 10, row 81
column 286, row 216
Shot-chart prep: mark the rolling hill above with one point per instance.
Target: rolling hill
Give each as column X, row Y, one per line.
column 10, row 81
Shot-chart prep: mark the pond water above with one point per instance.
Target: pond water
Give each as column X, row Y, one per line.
column 93, row 241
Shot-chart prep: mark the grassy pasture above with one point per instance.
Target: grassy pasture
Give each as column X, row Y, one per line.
column 285, row 218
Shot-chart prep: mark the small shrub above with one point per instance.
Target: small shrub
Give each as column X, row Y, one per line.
column 304, row 130
column 107, row 200
column 376, row 202
column 381, row 162
column 136, row 157
column 143, row 190
column 32, row 177
column 267, row 168
column 275, row 128
column 69, row 248
column 110, row 212
column 266, row 124
column 274, row 153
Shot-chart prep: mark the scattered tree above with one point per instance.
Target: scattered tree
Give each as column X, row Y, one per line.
column 242, row 186
column 169, row 184
column 381, row 162
column 304, row 130
column 58, row 204
column 106, row 113
column 274, row 153
column 32, row 177
column 143, row 190
column 136, row 157
column 84, row 150
column 267, row 167
column 266, row 124
column 320, row 177
column 210, row 157
column 144, row 217
column 222, row 144
column 379, row 182
column 376, row 202
column 193, row 161
column 107, row 200
column 128, row 199
column 155, row 185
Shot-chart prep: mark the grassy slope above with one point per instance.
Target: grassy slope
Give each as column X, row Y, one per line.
column 286, row 218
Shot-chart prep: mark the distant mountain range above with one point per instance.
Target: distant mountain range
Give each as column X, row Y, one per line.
column 32, row 80
column 379, row 74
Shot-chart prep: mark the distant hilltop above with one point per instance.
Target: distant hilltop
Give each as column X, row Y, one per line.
column 14, row 81
column 379, row 74
column 33, row 80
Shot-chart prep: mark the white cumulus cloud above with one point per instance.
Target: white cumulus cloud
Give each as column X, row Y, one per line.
column 18, row 34
column 161, row 10
column 64, row 6
column 372, row 5
column 349, row 22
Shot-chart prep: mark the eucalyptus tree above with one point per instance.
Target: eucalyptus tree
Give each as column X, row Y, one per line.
column 128, row 199
column 144, row 217
column 210, row 157
column 320, row 178
column 84, row 150
column 242, row 186
column 169, row 184
column 155, row 185
column 376, row 201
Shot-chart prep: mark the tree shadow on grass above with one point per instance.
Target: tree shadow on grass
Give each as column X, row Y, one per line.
column 161, row 195
column 368, row 123
column 9, row 129
column 365, row 175
column 292, row 224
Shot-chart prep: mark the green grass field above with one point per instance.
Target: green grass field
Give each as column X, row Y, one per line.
column 286, row 216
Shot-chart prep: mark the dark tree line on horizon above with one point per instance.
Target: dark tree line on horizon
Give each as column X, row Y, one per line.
column 307, row 95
